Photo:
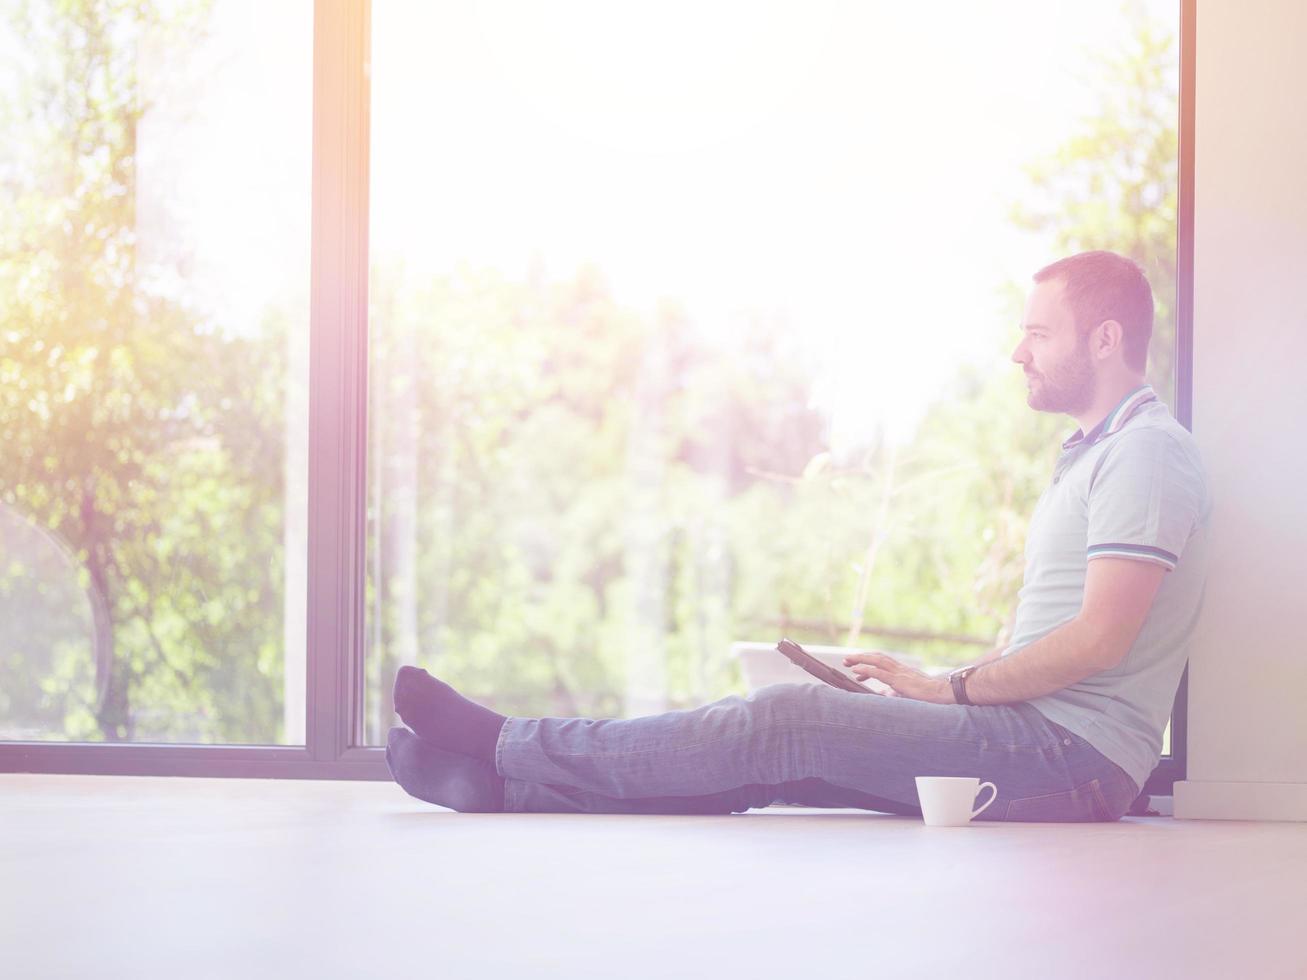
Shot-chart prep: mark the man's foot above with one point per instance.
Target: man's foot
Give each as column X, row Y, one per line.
column 444, row 717
column 445, row 778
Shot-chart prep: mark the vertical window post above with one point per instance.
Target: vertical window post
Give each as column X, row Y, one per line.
column 338, row 376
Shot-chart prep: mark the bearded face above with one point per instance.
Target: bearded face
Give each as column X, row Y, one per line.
column 1063, row 384
column 1054, row 354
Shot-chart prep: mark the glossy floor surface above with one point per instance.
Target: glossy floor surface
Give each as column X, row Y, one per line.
column 143, row 877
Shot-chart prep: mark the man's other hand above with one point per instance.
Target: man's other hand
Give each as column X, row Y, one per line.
column 906, row 682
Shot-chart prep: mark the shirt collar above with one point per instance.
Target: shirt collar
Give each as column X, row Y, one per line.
column 1115, row 419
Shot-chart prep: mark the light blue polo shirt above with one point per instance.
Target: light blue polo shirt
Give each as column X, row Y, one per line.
column 1132, row 487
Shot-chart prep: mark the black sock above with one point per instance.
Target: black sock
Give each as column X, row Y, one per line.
column 444, row 717
column 445, row 778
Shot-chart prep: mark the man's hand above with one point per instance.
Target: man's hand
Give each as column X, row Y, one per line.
column 907, row 682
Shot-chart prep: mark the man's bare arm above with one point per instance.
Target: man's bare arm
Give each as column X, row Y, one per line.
column 1062, row 658
column 1118, row 595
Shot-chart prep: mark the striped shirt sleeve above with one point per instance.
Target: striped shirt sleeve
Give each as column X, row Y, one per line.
column 1144, row 499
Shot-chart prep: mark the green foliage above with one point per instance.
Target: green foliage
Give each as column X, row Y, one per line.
column 1115, row 185
column 144, row 440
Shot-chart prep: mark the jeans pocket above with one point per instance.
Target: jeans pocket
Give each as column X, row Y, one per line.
column 1081, row 804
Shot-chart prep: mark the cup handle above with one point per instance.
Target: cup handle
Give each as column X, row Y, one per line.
column 992, row 797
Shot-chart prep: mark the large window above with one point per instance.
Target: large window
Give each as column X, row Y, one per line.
column 627, row 339
column 692, row 328
column 154, row 273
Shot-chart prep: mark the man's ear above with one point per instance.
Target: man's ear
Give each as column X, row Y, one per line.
column 1106, row 339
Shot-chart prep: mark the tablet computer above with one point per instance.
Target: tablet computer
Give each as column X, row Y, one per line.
column 802, row 658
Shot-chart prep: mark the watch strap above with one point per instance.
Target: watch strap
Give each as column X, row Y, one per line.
column 958, row 681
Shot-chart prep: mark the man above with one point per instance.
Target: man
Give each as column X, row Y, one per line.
column 1067, row 721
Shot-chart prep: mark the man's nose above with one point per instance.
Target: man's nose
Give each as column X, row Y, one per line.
column 1019, row 355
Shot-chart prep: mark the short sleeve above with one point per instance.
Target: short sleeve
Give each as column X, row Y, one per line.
column 1145, row 499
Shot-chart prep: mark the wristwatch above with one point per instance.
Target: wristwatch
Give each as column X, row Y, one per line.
column 958, row 681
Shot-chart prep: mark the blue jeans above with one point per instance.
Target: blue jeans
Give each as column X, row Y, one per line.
column 812, row 744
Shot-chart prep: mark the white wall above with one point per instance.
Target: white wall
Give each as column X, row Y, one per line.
column 1248, row 666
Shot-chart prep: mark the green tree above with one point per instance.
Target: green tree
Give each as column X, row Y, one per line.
column 142, row 436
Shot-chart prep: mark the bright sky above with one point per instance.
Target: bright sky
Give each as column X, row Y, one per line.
column 848, row 165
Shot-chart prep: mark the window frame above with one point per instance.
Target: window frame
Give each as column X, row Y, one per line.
column 337, row 451
column 1173, row 767
column 337, row 446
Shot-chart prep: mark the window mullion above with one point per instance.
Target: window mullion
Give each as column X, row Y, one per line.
column 338, row 376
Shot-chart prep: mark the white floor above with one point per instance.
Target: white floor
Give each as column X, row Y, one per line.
column 142, row 877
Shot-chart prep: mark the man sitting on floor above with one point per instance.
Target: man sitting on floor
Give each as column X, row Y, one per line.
column 1067, row 722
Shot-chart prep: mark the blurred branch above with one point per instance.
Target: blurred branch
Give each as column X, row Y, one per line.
column 773, row 476
column 893, row 632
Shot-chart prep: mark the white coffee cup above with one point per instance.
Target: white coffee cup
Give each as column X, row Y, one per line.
column 946, row 800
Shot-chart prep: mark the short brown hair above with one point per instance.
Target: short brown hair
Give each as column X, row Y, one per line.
column 1106, row 286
